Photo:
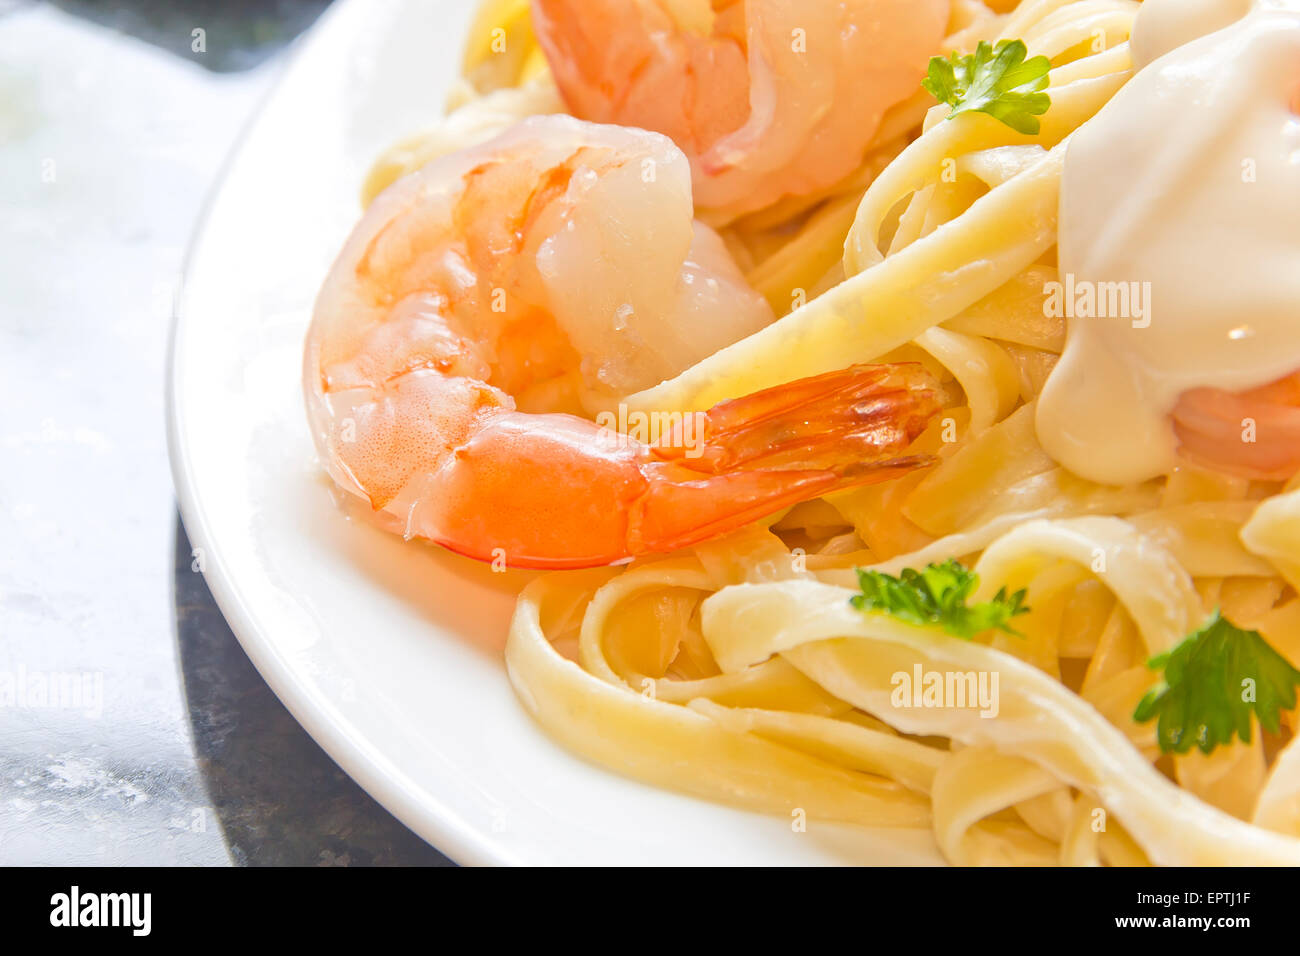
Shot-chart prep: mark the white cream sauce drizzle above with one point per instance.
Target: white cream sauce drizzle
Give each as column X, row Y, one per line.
column 1185, row 188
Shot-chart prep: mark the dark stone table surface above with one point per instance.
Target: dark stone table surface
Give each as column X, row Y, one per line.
column 133, row 729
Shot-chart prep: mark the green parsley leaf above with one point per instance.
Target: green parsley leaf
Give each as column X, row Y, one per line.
column 999, row 82
column 1213, row 681
column 937, row 597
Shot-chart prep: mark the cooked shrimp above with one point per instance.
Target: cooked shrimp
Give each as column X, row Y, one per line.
column 487, row 297
column 768, row 98
column 1255, row 433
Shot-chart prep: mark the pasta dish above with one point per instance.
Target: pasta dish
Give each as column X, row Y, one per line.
column 899, row 401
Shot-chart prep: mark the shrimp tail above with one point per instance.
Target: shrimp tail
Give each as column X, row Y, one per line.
column 775, row 448
column 510, row 492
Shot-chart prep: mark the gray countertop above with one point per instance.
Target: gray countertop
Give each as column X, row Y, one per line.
column 133, row 729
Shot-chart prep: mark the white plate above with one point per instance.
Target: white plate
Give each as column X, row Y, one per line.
column 388, row 653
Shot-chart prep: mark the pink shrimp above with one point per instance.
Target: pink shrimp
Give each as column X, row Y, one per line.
column 1255, row 433
column 488, row 302
column 767, row 97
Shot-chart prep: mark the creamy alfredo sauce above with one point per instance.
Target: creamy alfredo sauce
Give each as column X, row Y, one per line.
column 1180, row 209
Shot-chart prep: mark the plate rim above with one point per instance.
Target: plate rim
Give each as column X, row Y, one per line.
column 417, row 808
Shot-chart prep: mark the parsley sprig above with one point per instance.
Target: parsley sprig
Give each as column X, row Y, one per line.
column 936, row 597
column 1213, row 682
column 997, row 81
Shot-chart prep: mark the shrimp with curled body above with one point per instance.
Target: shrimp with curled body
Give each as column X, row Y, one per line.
column 768, row 98
column 487, row 305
